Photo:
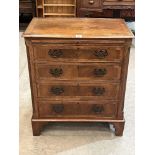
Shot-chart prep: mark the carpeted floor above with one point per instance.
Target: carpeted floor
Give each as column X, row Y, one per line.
column 73, row 138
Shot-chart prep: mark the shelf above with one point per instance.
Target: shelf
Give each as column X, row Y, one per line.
column 47, row 8
column 59, row 5
column 59, row 14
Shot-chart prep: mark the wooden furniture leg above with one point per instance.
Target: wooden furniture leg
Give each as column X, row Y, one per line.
column 37, row 127
column 119, row 128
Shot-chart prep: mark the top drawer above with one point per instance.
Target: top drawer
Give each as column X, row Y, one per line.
column 79, row 53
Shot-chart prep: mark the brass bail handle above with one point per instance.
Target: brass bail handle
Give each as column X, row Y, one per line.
column 58, row 108
column 98, row 91
column 101, row 53
column 56, row 72
column 100, row 72
column 97, row 109
column 57, row 90
column 55, row 53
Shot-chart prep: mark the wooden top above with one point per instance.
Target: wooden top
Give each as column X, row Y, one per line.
column 78, row 28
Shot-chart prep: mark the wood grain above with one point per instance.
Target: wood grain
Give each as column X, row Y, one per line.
column 80, row 28
column 79, row 53
column 77, row 109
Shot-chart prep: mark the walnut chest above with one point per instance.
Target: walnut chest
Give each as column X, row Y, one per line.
column 78, row 70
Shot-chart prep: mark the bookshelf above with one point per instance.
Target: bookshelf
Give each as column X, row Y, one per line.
column 56, row 8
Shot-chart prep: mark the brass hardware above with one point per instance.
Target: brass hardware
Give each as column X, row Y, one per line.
column 98, row 91
column 55, row 53
column 56, row 72
column 58, row 108
column 101, row 53
column 100, row 72
column 57, row 90
column 88, row 14
column 97, row 109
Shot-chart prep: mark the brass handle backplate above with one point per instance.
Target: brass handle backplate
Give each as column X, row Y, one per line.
column 57, row 90
column 100, row 72
column 56, row 72
column 55, row 53
column 58, row 108
column 101, row 53
column 97, row 109
column 88, row 14
column 98, row 91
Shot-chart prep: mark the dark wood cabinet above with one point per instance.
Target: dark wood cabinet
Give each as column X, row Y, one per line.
column 86, row 8
column 78, row 69
column 26, row 12
column 106, row 8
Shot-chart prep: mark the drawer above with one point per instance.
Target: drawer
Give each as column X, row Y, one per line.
column 95, row 14
column 79, row 53
column 104, row 53
column 56, row 72
column 90, row 4
column 60, row 90
column 97, row 109
column 55, row 53
column 57, row 90
column 99, row 71
column 57, row 109
column 78, row 72
column 99, row 90
column 77, row 109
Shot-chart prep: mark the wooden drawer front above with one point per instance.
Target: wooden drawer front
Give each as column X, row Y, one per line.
column 57, row 90
column 99, row 72
column 57, row 109
column 80, row 54
column 105, row 53
column 81, row 72
column 97, row 108
column 65, row 72
column 105, row 91
column 76, row 109
column 95, row 14
column 90, row 3
column 55, row 54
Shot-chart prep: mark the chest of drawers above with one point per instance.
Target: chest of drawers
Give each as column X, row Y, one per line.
column 78, row 69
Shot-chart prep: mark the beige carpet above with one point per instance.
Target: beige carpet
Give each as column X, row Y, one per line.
column 73, row 138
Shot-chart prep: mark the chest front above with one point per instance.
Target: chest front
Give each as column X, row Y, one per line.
column 77, row 75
